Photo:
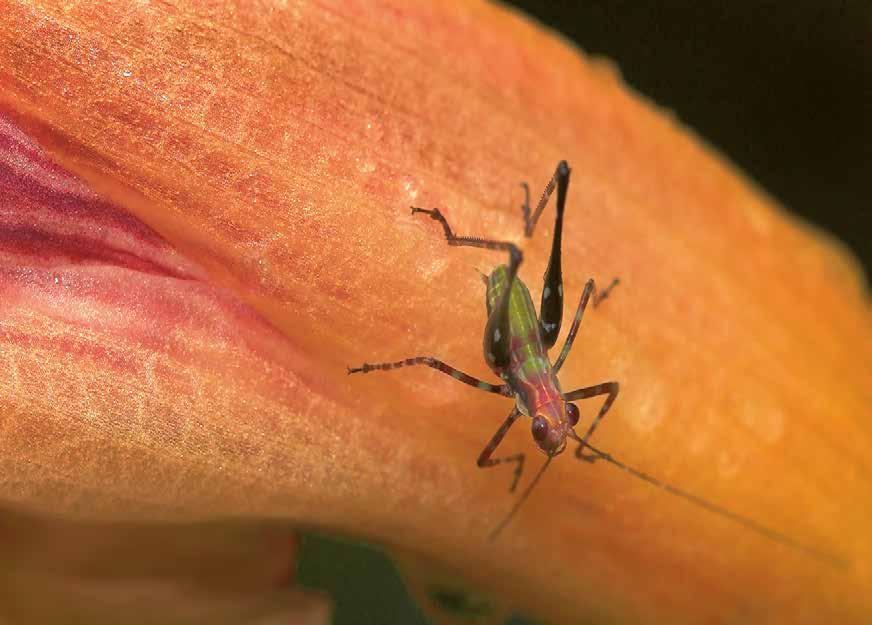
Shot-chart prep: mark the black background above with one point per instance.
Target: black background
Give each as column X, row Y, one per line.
column 784, row 89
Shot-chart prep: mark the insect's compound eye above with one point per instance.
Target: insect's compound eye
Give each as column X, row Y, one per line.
column 572, row 414
column 540, row 428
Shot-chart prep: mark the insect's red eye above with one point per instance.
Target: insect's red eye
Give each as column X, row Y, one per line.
column 540, row 428
column 572, row 414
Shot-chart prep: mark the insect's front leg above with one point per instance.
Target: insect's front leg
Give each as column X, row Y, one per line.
column 485, row 460
column 610, row 388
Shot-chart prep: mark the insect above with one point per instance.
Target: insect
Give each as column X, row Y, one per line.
column 517, row 340
column 516, row 344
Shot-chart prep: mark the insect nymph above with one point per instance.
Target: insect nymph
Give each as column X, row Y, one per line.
column 516, row 344
column 517, row 340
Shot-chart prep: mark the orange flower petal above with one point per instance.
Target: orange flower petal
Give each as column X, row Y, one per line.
column 275, row 149
column 109, row 342
column 218, row 573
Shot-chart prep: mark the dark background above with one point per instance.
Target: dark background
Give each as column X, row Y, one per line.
column 784, row 89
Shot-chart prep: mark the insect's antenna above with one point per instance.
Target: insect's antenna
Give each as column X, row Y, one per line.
column 759, row 528
column 499, row 528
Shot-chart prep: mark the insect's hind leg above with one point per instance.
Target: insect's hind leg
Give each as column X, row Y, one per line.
column 558, row 180
column 593, row 391
column 485, row 460
column 457, row 374
column 497, row 339
column 551, row 305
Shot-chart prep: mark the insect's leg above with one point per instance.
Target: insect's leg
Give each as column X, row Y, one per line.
column 457, row 374
column 485, row 460
column 592, row 391
column 453, row 239
column 560, row 177
column 525, row 207
column 551, row 305
column 497, row 340
column 589, row 290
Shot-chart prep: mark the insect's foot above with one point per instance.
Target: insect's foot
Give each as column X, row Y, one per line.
column 518, row 471
column 526, row 205
column 605, row 292
column 433, row 212
column 591, row 458
column 363, row 369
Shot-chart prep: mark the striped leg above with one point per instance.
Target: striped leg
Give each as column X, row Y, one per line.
column 457, row 374
column 485, row 460
column 560, row 178
column 488, row 244
column 497, row 338
column 592, row 391
column 589, row 289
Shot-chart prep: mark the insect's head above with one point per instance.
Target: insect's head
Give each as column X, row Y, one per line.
column 552, row 425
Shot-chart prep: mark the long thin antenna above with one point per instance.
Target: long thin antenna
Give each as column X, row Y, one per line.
column 759, row 528
column 499, row 528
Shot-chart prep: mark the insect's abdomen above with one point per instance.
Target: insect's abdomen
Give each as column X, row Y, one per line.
column 526, row 343
column 529, row 372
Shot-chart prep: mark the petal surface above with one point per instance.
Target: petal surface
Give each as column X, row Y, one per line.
column 271, row 150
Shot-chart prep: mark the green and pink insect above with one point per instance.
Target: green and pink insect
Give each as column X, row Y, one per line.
column 517, row 340
column 516, row 344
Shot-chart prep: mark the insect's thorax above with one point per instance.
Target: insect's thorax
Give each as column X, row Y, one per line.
column 529, row 372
